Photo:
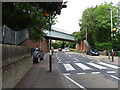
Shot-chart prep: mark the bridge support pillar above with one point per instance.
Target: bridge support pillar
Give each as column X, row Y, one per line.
column 45, row 45
column 78, row 46
column 81, row 46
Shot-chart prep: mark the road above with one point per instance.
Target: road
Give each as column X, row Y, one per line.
column 80, row 71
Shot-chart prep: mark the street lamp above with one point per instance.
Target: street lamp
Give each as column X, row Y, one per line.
column 86, row 34
column 111, row 30
column 49, row 14
column 50, row 56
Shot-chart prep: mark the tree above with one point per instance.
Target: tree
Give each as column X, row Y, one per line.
column 96, row 21
column 13, row 17
column 79, row 36
column 30, row 15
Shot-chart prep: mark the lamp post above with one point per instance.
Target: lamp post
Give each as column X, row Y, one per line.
column 86, row 33
column 49, row 14
column 50, row 55
column 112, row 33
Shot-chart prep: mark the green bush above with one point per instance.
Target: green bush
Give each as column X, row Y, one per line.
column 72, row 44
column 103, row 46
column 55, row 45
column 116, row 45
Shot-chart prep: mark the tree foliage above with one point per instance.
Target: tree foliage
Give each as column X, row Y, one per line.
column 96, row 21
column 14, row 18
column 30, row 15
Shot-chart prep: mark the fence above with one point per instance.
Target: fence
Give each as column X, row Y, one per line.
column 21, row 36
column 10, row 36
column 16, row 61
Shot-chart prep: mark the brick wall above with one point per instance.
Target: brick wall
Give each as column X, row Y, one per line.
column 44, row 45
column 29, row 43
column 81, row 46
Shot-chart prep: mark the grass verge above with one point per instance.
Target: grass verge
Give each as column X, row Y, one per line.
column 74, row 50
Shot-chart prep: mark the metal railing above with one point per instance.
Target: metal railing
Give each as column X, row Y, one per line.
column 12, row 37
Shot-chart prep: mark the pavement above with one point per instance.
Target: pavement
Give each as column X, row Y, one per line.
column 40, row 77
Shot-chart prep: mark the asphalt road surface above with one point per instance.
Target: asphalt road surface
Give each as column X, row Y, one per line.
column 80, row 71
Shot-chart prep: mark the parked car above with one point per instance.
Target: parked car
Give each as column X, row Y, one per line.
column 37, row 55
column 92, row 52
column 32, row 50
column 60, row 49
column 66, row 48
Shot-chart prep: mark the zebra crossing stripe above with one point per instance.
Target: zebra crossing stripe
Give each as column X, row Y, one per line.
column 84, row 67
column 111, row 72
column 109, row 65
column 97, row 66
column 68, row 67
column 95, row 72
column 80, row 73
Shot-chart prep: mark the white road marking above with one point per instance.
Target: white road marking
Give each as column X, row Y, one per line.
column 97, row 66
column 115, row 77
column 80, row 73
column 76, row 60
column 109, row 65
column 84, row 67
column 66, row 74
column 69, row 56
column 111, row 72
column 80, row 86
column 68, row 67
column 95, row 72
column 59, row 60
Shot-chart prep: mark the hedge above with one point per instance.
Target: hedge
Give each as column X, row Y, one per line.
column 103, row 46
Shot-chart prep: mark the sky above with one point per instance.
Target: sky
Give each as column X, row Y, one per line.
column 68, row 20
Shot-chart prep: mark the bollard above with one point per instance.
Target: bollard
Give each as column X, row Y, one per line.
column 109, row 55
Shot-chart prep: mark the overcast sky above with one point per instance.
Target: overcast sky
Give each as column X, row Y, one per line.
column 68, row 20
